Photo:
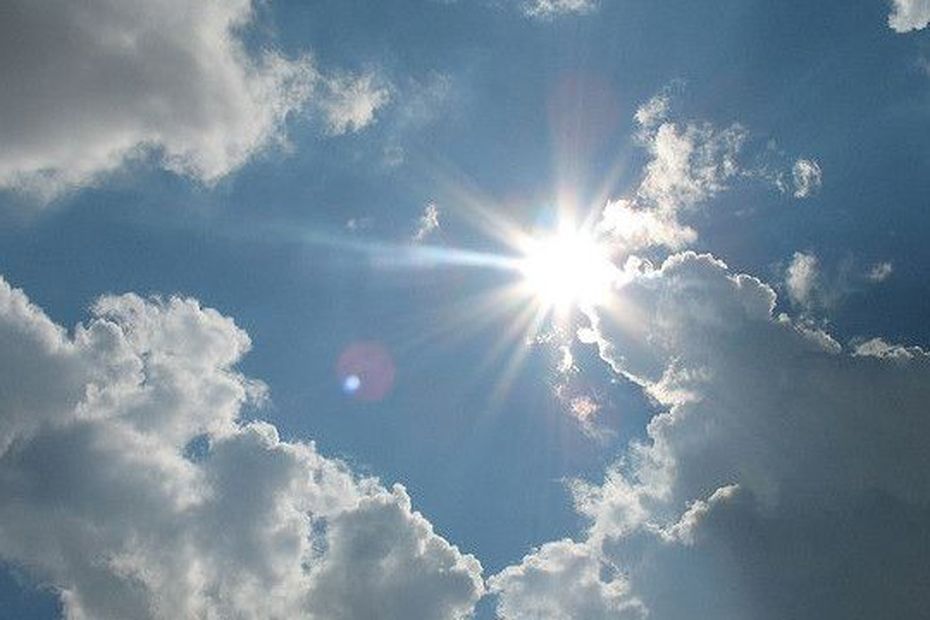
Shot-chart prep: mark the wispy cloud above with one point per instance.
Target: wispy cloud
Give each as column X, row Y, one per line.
column 427, row 223
column 349, row 102
column 548, row 9
column 879, row 272
column 812, row 288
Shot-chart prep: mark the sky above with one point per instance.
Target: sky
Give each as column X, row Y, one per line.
column 447, row 309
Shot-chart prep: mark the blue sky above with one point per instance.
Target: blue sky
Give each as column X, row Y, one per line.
column 324, row 174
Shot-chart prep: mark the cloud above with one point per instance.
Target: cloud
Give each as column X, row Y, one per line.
column 908, row 15
column 879, row 272
column 689, row 163
column 809, row 287
column 548, row 9
column 802, row 277
column 807, row 177
column 427, row 223
column 358, row 224
column 562, row 581
column 134, row 489
column 784, row 475
column 93, row 85
column 654, row 112
column 350, row 102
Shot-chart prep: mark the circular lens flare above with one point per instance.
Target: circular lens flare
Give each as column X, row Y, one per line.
column 568, row 269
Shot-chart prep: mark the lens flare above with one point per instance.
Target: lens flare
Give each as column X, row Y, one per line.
column 568, row 269
column 366, row 371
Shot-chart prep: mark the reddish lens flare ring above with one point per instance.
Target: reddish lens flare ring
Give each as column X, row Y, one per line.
column 366, row 371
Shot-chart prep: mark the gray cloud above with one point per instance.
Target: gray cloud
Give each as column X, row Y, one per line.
column 91, row 85
column 785, row 475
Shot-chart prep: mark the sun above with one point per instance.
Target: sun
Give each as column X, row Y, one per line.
column 568, row 269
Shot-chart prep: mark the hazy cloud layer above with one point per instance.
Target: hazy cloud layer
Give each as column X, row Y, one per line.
column 134, row 490
column 785, row 475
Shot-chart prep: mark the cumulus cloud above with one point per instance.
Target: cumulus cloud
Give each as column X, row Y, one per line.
column 908, row 15
column 547, row 9
column 784, row 476
column 89, row 86
column 807, row 177
column 133, row 488
column 563, row 580
column 689, row 163
column 427, row 223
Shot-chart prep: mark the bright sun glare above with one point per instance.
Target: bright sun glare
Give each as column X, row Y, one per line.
column 568, row 269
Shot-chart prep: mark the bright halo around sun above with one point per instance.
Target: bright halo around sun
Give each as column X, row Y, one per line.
column 567, row 270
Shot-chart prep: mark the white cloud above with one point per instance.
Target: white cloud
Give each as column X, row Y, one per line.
column 349, row 102
column 357, row 224
column 548, row 9
column 810, row 287
column 653, row 113
column 89, row 86
column 802, row 278
column 690, row 164
column 879, row 272
column 807, row 177
column 107, row 502
column 563, row 580
column 907, row 15
column 427, row 223
column 785, row 476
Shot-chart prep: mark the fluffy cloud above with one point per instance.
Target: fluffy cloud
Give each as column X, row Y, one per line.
column 547, row 9
column 90, row 85
column 563, row 580
column 784, row 476
column 133, row 489
column 689, row 164
column 907, row 15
